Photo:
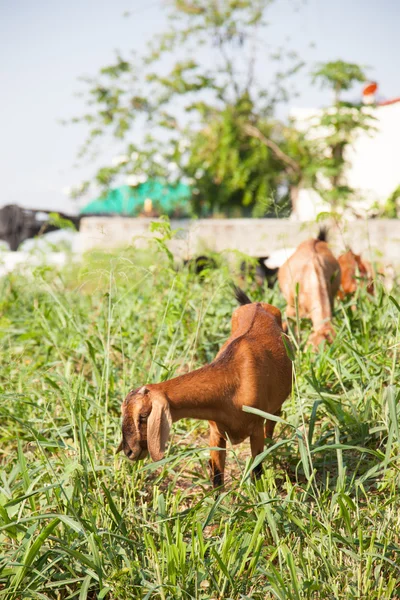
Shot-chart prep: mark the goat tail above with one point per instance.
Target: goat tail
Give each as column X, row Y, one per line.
column 323, row 234
column 240, row 296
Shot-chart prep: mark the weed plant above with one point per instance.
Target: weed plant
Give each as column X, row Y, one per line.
column 78, row 521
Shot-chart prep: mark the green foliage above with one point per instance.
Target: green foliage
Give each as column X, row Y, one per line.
column 233, row 170
column 77, row 521
column 338, row 76
column 207, row 116
column 339, row 125
column 392, row 204
column 207, row 119
column 60, row 222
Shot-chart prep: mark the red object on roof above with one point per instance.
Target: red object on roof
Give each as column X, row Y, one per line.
column 387, row 102
column 370, row 88
column 369, row 95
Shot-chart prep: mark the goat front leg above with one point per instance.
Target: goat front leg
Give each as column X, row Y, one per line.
column 257, row 446
column 217, row 457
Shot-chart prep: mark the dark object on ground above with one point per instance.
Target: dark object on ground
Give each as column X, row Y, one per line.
column 18, row 224
column 259, row 271
column 200, row 263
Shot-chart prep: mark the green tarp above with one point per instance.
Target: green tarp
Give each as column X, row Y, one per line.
column 125, row 200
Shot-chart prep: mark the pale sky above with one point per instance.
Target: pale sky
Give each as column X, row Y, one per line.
column 45, row 45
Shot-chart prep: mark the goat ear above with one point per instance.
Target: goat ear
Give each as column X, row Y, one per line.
column 275, row 312
column 158, row 426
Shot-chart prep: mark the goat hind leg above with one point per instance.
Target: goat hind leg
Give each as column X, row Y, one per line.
column 217, row 457
column 257, row 446
column 269, row 428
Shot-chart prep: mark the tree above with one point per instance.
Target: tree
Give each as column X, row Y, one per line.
column 239, row 164
column 338, row 76
column 208, row 120
column 340, row 123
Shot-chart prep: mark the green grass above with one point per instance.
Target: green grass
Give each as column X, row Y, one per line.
column 77, row 521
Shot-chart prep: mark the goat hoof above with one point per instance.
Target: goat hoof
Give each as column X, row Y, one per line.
column 256, row 473
column 217, row 478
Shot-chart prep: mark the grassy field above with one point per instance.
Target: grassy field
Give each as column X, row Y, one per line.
column 78, row 521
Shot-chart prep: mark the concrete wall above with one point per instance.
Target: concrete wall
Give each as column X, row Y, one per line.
column 376, row 239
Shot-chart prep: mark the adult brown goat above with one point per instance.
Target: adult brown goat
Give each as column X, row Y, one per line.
column 251, row 369
column 317, row 273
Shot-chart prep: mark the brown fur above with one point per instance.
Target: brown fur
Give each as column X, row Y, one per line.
column 317, row 272
column 354, row 269
column 251, row 369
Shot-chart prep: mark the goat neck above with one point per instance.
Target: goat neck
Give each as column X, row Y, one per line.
column 201, row 394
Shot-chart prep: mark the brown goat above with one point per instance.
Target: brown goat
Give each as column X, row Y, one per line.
column 354, row 268
column 251, row 369
column 317, row 272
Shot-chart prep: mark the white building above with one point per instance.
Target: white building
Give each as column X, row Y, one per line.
column 374, row 163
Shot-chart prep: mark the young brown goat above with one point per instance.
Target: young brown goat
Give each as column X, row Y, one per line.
column 353, row 266
column 317, row 272
column 251, row 369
